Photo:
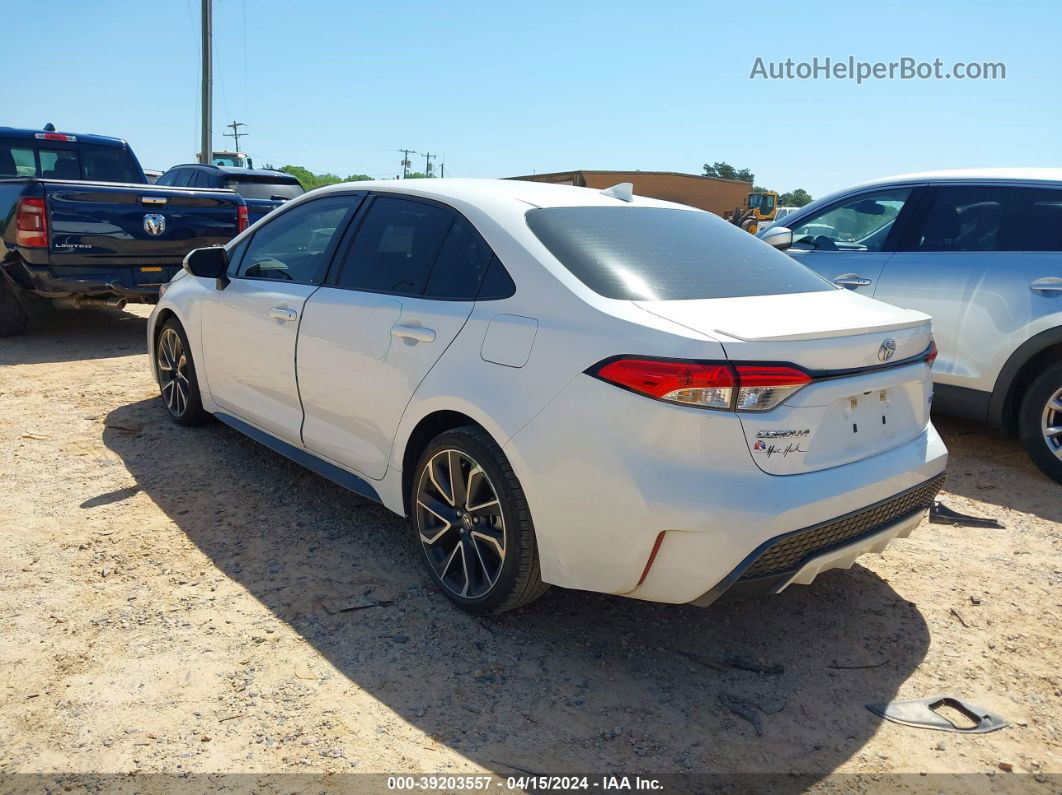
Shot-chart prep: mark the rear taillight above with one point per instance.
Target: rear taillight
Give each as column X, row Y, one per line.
column 763, row 387
column 710, row 385
column 31, row 224
column 242, row 218
column 931, row 355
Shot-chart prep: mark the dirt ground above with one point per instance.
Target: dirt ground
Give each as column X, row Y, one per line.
column 161, row 610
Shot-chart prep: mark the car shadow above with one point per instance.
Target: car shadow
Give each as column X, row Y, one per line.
column 70, row 335
column 578, row 682
column 986, row 467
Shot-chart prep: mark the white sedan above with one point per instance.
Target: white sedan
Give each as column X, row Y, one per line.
column 562, row 385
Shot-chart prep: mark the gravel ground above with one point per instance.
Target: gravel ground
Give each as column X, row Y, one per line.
column 161, row 610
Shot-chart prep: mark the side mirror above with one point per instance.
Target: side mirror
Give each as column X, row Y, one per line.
column 209, row 263
column 780, row 237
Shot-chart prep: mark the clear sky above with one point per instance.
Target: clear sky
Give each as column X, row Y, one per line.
column 504, row 88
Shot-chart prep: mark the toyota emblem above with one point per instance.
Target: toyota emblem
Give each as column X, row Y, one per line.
column 886, row 350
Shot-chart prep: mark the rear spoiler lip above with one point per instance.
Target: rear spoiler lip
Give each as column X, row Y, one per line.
column 899, row 325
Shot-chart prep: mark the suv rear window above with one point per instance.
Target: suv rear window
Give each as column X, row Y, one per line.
column 660, row 254
column 265, row 188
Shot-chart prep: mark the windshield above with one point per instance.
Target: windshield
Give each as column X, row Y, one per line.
column 265, row 188
column 651, row 253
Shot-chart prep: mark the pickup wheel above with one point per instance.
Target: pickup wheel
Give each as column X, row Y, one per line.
column 176, row 374
column 13, row 317
column 1040, row 421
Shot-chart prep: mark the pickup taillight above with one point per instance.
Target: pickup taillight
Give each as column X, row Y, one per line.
column 242, row 218
column 31, row 224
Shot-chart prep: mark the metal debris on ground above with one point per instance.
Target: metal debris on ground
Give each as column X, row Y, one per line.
column 942, row 514
column 922, row 714
column 357, row 602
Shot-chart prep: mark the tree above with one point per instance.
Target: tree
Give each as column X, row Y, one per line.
column 310, row 180
column 721, row 170
column 795, row 198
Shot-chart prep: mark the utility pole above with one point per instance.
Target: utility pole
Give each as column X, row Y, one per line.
column 442, row 170
column 405, row 161
column 428, row 157
column 208, row 81
column 236, row 132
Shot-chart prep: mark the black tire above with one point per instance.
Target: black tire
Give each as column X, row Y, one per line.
column 514, row 562
column 13, row 317
column 1040, row 407
column 178, row 384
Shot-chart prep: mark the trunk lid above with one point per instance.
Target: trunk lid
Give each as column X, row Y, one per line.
column 863, row 399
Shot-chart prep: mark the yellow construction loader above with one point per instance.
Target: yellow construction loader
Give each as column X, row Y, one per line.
column 759, row 208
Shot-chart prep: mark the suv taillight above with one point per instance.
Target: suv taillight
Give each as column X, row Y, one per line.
column 709, row 385
column 242, row 219
column 31, row 224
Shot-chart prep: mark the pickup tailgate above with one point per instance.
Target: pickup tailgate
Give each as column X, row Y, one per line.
column 135, row 224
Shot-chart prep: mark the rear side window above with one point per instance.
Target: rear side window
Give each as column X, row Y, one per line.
column 988, row 218
column 654, row 253
column 252, row 188
column 17, row 161
column 460, row 266
column 396, row 247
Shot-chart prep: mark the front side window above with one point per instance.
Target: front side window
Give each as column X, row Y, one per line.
column 655, row 253
column 987, row 218
column 396, row 247
column 292, row 246
column 859, row 224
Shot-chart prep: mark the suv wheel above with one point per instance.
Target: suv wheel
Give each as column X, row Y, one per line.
column 473, row 525
column 1041, row 421
column 177, row 379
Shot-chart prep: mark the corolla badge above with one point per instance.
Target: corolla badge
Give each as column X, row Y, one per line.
column 887, row 349
column 154, row 224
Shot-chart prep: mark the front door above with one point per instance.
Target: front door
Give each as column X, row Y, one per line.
column 402, row 292
column 251, row 326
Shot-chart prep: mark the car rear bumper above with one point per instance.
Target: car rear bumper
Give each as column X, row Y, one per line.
column 607, row 474
column 137, row 283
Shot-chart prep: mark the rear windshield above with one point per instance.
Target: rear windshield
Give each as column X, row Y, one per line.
column 270, row 188
column 80, row 162
column 660, row 254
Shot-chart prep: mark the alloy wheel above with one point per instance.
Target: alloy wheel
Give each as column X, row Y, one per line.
column 172, row 363
column 460, row 524
column 1051, row 423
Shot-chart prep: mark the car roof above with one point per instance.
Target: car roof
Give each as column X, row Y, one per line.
column 82, row 138
column 480, row 191
column 972, row 175
column 237, row 171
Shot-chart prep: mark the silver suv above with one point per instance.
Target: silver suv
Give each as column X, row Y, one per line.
column 980, row 251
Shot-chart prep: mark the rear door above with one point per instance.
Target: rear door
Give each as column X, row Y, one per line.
column 848, row 241
column 404, row 287
column 973, row 262
column 251, row 326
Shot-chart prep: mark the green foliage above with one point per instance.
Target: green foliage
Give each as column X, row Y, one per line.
column 309, row 180
column 795, row 198
column 721, row 170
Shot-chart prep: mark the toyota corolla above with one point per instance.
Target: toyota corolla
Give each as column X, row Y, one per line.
column 560, row 385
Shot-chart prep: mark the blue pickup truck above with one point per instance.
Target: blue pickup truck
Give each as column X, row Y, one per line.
column 263, row 190
column 81, row 225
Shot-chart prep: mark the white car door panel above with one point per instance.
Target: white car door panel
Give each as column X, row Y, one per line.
column 252, row 326
column 361, row 357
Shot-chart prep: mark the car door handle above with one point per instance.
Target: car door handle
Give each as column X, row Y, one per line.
column 1048, row 284
column 283, row 313
column 851, row 280
column 414, row 333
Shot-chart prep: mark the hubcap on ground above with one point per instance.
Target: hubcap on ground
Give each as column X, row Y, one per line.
column 173, row 372
column 1051, row 423
column 460, row 523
